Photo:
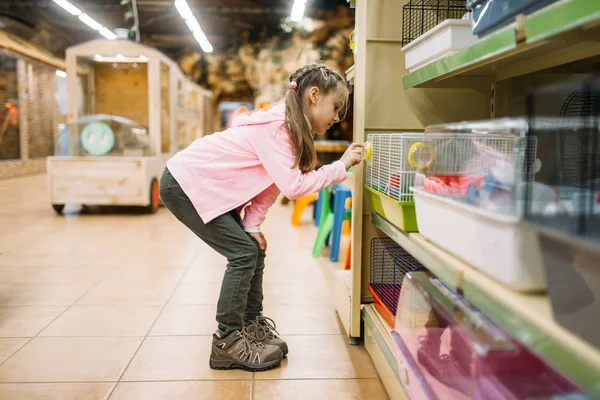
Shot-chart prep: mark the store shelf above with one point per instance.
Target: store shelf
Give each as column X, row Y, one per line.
column 561, row 17
column 528, row 317
column 565, row 32
column 350, row 73
column 380, row 346
column 331, row 146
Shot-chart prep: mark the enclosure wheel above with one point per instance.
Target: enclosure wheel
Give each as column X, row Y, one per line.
column 354, row 341
column 154, row 197
column 58, row 208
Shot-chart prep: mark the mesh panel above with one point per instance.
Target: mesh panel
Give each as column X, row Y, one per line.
column 389, row 171
column 389, row 265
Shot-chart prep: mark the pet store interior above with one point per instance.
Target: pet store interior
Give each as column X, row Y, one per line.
column 459, row 259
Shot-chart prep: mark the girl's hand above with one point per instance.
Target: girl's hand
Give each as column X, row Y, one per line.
column 260, row 239
column 353, row 155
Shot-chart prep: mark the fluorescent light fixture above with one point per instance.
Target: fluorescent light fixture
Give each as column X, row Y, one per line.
column 107, row 33
column 86, row 19
column 119, row 58
column 70, row 8
column 89, row 21
column 193, row 24
column 183, row 8
column 188, row 16
column 298, row 10
column 203, row 41
column 60, row 73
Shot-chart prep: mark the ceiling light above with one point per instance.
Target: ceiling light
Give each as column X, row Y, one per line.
column 298, row 10
column 184, row 9
column 107, row 33
column 71, row 9
column 188, row 16
column 60, row 73
column 89, row 21
column 86, row 19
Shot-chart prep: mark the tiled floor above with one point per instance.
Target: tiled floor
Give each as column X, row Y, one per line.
column 121, row 305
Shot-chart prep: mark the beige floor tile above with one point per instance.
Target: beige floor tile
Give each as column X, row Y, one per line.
column 201, row 293
column 298, row 293
column 173, row 258
column 117, row 291
column 42, row 294
column 185, row 320
column 322, row 357
column 177, row 358
column 205, row 390
column 55, row 391
column 51, row 274
column 346, row 389
column 8, row 347
column 293, row 274
column 104, row 321
column 206, row 274
column 101, row 259
column 146, row 274
column 26, row 321
column 70, row 360
column 20, row 259
column 207, row 257
column 304, row 319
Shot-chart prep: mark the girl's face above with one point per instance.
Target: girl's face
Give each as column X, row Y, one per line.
column 323, row 109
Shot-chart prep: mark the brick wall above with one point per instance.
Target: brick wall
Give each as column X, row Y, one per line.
column 24, row 149
column 41, row 107
column 15, row 168
column 9, row 127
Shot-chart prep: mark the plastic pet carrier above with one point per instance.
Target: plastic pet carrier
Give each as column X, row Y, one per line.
column 448, row 350
column 472, row 176
column 568, row 224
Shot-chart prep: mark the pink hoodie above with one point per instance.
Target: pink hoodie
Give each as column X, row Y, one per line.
column 249, row 162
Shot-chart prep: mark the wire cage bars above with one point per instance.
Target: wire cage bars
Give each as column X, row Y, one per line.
column 419, row 16
column 390, row 264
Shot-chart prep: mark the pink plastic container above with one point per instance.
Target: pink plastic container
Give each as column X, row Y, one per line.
column 446, row 349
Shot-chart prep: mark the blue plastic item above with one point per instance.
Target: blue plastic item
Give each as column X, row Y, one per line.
column 490, row 15
column 341, row 193
column 318, row 207
column 333, row 213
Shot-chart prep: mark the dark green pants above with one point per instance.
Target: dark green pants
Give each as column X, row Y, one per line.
column 241, row 291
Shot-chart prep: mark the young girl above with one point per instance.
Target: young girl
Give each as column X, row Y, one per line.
column 244, row 168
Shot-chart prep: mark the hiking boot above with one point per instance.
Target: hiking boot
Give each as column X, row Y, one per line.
column 262, row 329
column 239, row 350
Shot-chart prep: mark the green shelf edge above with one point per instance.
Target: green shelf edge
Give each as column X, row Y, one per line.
column 556, row 354
column 493, row 45
column 560, row 17
column 387, row 353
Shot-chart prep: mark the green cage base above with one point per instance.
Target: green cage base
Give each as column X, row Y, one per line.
column 400, row 213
